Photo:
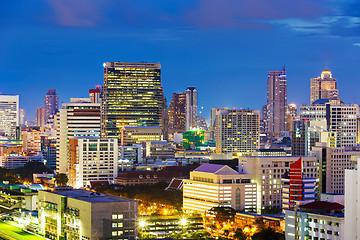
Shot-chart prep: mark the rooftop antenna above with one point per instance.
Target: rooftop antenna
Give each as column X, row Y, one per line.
column 284, row 68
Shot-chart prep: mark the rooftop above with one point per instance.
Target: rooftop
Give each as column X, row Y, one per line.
column 323, row 205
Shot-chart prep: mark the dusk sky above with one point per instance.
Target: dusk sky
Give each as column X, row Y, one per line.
column 224, row 48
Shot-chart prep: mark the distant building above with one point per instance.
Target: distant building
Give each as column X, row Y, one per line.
column 324, row 87
column 95, row 95
column 140, row 134
column 191, row 107
column 9, row 116
column 22, row 120
column 237, row 131
column 291, row 114
column 92, row 160
column 212, row 185
column 13, row 161
column 80, row 214
column 48, row 149
column 51, row 104
column 176, row 114
column 132, row 95
column 132, row 153
column 32, row 140
column 160, row 150
column 276, row 102
column 40, row 117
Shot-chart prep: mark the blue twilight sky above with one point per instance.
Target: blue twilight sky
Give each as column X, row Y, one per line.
column 224, row 48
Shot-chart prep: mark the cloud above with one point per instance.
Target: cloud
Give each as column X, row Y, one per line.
column 357, row 44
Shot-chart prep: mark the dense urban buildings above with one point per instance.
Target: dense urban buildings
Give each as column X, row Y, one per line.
column 324, row 87
column 78, row 118
column 191, row 107
column 132, row 95
column 9, row 116
column 177, row 112
column 276, row 102
column 237, row 131
column 51, row 104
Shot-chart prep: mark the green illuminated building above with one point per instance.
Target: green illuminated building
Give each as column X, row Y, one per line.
column 193, row 139
column 132, row 96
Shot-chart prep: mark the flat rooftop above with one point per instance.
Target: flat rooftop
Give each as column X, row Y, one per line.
column 90, row 196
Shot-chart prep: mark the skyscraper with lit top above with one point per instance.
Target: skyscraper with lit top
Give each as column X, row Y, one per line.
column 324, row 87
column 132, row 95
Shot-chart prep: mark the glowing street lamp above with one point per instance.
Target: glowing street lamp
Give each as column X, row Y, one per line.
column 142, row 223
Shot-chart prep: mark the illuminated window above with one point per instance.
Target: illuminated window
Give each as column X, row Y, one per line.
column 114, row 216
column 120, row 216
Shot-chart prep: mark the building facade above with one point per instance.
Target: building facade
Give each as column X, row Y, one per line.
column 140, row 134
column 40, row 117
column 132, row 95
column 276, row 102
column 9, row 116
column 324, row 87
column 190, row 107
column 51, row 104
column 177, row 113
column 237, row 131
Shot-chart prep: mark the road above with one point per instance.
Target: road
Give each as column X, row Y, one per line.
column 10, row 232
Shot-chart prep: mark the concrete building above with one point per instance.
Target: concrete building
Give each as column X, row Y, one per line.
column 212, row 185
column 324, row 87
column 276, row 102
column 291, row 114
column 160, row 150
column 237, row 131
column 177, row 113
column 267, row 173
column 9, row 116
column 297, row 189
column 340, row 118
column 92, row 159
column 332, row 165
column 140, row 134
column 75, row 119
column 48, row 149
column 95, row 95
column 32, row 140
column 190, row 107
column 316, row 221
column 51, row 104
column 40, row 117
column 132, row 153
column 132, row 95
column 13, row 161
column 80, row 214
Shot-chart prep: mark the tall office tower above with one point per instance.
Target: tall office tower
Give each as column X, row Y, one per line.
column 276, row 102
column 177, row 113
column 306, row 134
column 92, row 159
column 340, row 118
column 190, row 107
column 78, row 118
column 296, row 188
column 51, row 104
column 95, row 94
column 9, row 116
column 22, row 119
column 267, row 172
column 40, row 117
column 323, row 87
column 132, row 96
column 291, row 114
column 332, row 164
column 237, row 131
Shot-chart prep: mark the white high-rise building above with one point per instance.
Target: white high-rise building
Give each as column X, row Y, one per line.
column 9, row 116
column 190, row 107
column 237, row 131
column 92, row 159
column 78, row 118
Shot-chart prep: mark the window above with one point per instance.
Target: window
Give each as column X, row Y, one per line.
column 120, row 224
column 120, row 216
column 114, row 233
column 114, row 216
column 114, row 225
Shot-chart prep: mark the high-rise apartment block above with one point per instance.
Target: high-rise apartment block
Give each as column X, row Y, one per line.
column 212, row 185
column 267, row 173
column 92, row 159
column 191, row 107
column 66, row 213
column 9, row 116
column 51, row 104
column 132, row 96
column 276, row 102
column 237, row 131
column 75, row 119
column 324, row 87
column 177, row 113
column 340, row 118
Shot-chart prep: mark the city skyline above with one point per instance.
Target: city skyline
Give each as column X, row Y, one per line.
column 63, row 45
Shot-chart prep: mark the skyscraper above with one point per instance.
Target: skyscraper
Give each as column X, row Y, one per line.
column 324, row 87
column 40, row 117
column 22, row 119
column 132, row 96
column 276, row 102
column 191, row 107
column 177, row 113
column 51, row 104
column 9, row 116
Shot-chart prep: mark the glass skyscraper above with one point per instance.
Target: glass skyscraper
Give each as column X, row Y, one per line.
column 132, row 96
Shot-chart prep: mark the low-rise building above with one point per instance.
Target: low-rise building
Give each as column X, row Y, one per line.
column 160, row 150
column 212, row 185
column 67, row 213
column 139, row 134
column 132, row 153
column 12, row 161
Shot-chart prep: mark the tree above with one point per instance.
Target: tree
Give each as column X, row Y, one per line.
column 61, row 179
column 268, row 234
column 239, row 234
column 223, row 214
